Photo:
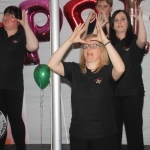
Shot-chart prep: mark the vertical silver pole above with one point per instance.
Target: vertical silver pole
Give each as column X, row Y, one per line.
column 56, row 102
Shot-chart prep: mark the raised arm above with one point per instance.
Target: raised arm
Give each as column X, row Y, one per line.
column 142, row 36
column 91, row 16
column 32, row 43
column 118, row 65
column 104, row 21
column 55, row 60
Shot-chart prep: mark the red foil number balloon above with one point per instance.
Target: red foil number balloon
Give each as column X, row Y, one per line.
column 73, row 9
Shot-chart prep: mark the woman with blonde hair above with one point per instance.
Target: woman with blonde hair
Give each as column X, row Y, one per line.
column 93, row 123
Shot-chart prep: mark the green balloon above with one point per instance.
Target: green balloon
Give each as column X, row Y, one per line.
column 42, row 75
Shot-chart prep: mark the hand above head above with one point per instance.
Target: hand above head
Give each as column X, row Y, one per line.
column 101, row 37
column 24, row 20
column 140, row 14
column 92, row 14
column 76, row 36
column 101, row 17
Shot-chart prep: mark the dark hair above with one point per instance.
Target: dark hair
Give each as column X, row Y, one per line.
column 129, row 33
column 14, row 11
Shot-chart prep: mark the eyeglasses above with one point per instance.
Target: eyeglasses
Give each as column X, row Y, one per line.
column 119, row 20
column 9, row 15
column 93, row 46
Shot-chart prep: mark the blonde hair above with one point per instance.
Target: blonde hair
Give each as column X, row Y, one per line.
column 104, row 58
column 110, row 2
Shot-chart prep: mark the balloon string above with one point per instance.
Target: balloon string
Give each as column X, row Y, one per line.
column 41, row 112
column 41, row 105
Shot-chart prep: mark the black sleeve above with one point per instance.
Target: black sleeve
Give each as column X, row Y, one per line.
column 68, row 69
column 138, row 50
column 111, row 79
column 91, row 27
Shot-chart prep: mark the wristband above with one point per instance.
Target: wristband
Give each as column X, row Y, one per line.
column 106, row 43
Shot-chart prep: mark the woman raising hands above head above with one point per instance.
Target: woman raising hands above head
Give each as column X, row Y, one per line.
column 16, row 38
column 129, row 91
column 93, row 123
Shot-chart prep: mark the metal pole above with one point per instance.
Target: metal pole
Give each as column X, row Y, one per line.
column 56, row 96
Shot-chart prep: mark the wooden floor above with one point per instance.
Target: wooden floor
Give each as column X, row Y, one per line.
column 48, row 147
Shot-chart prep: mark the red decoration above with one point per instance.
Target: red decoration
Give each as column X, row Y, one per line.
column 1, row 24
column 73, row 9
column 31, row 58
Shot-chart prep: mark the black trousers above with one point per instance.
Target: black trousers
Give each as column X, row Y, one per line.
column 104, row 143
column 128, row 110
column 11, row 102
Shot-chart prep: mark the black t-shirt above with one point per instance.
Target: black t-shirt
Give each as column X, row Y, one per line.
column 92, row 26
column 12, row 52
column 91, row 101
column 131, row 82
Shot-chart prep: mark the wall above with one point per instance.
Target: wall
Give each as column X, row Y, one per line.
column 33, row 95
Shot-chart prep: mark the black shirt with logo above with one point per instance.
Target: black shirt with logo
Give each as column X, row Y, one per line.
column 131, row 82
column 91, row 101
column 12, row 52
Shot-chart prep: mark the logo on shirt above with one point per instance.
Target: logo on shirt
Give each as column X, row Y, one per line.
column 98, row 80
column 126, row 48
column 15, row 41
column 3, row 125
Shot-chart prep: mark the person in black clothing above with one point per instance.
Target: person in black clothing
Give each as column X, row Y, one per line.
column 129, row 91
column 103, row 9
column 93, row 123
column 16, row 38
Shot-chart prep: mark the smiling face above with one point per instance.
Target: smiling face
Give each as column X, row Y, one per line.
column 120, row 23
column 92, row 54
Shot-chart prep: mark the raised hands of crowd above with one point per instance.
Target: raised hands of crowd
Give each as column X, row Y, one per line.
column 142, row 35
column 92, row 15
column 102, row 19
column 101, row 37
column 32, row 43
column 140, row 14
column 24, row 20
column 76, row 36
